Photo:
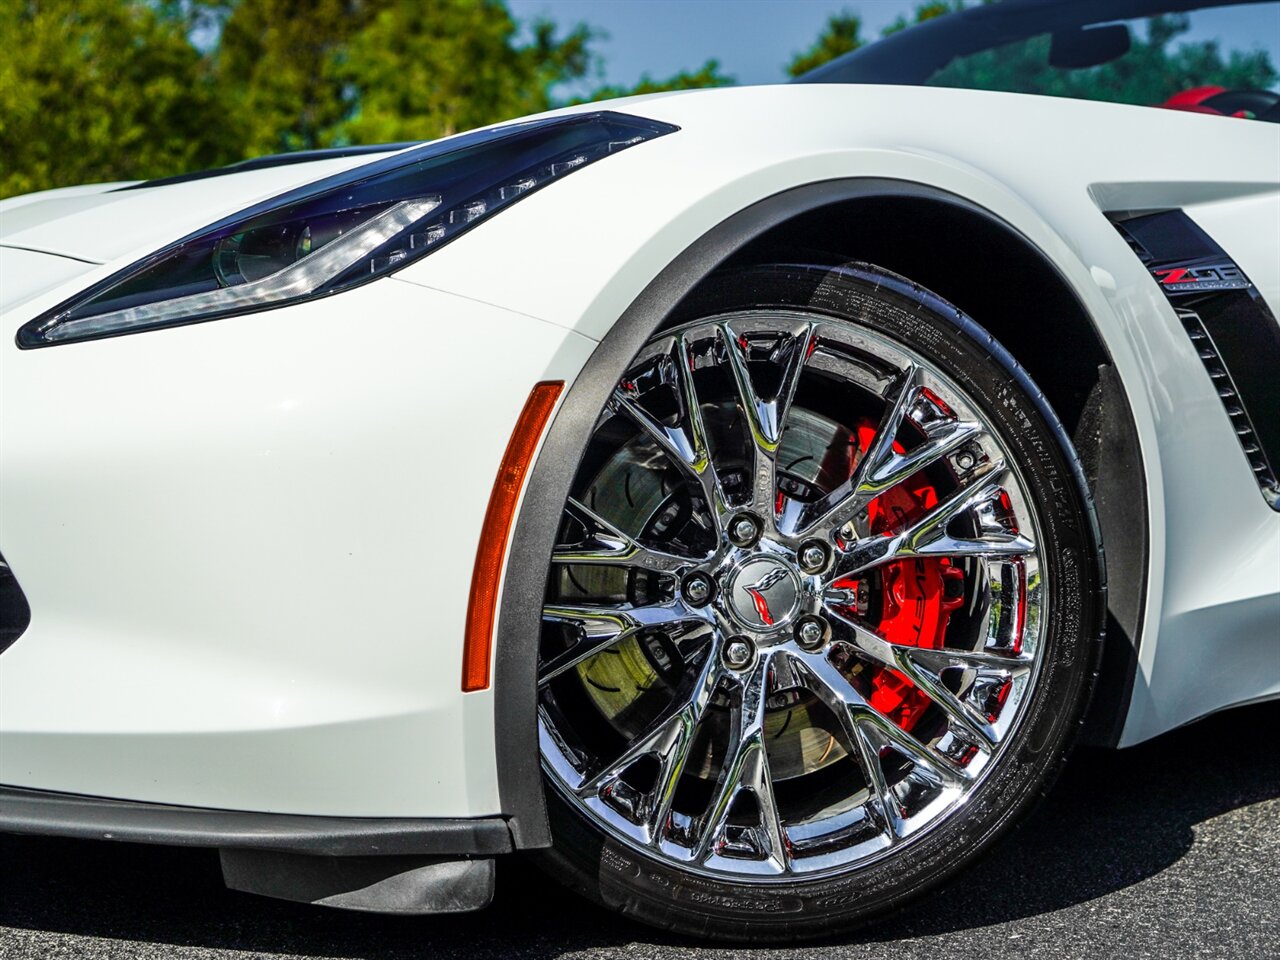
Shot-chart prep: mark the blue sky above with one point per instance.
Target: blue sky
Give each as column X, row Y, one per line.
column 753, row 39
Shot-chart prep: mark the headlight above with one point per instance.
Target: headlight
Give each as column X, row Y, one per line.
column 337, row 233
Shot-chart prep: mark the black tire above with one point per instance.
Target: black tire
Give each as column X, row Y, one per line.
column 657, row 893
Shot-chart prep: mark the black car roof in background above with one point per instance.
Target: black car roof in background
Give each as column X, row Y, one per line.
column 915, row 54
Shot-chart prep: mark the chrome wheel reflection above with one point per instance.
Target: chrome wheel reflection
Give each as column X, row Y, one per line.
column 795, row 607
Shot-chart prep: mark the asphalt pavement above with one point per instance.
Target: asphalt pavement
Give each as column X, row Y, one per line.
column 1167, row 850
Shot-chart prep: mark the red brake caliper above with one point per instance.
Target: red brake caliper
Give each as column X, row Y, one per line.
column 917, row 596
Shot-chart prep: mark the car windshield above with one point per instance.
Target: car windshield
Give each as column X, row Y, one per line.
column 1201, row 56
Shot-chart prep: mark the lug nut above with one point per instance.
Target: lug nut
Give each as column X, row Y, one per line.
column 697, row 589
column 811, row 633
column 965, row 459
column 738, row 653
column 812, row 557
column 744, row 530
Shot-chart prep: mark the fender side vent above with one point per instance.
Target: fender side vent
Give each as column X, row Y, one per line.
column 1228, row 323
column 1235, row 407
column 15, row 613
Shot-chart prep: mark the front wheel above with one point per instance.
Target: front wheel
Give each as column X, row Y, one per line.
column 823, row 615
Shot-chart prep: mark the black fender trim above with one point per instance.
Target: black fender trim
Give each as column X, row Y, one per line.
column 520, row 782
column 45, row 813
column 1107, row 442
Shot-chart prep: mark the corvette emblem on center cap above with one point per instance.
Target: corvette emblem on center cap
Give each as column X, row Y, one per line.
column 765, row 593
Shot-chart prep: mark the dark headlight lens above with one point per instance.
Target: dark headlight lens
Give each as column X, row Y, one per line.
column 339, row 232
column 258, row 253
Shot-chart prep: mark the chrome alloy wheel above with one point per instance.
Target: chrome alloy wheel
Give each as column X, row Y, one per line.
column 795, row 608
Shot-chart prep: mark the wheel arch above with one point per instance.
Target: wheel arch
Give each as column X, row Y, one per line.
column 939, row 240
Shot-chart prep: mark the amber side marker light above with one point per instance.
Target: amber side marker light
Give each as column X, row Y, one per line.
column 482, row 608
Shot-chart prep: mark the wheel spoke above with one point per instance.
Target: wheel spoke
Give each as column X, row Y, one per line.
column 606, row 544
column 766, row 418
column 908, row 662
column 881, row 467
column 668, row 739
column 598, row 628
column 685, row 442
column 841, row 505
column 867, row 732
column 928, row 537
column 868, row 746
column 936, row 660
column 745, row 768
column 852, row 709
column 880, row 450
column 891, row 468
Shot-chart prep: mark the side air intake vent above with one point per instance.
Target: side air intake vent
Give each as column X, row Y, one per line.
column 1228, row 323
column 1230, row 397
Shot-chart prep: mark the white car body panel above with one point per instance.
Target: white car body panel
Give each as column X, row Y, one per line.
column 28, row 274
column 232, row 556
column 248, row 567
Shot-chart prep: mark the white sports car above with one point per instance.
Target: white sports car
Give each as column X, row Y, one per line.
column 709, row 489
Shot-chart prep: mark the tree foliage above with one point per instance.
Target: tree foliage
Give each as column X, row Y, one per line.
column 279, row 62
column 316, row 73
column 842, row 34
column 708, row 75
column 94, row 90
column 923, row 12
column 425, row 70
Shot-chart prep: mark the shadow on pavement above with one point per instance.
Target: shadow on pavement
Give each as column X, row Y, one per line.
column 1114, row 819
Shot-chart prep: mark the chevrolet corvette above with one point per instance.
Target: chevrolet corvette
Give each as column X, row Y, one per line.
column 741, row 500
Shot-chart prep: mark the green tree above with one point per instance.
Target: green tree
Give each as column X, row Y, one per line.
column 314, row 73
column 420, row 70
column 708, row 75
column 842, row 34
column 96, row 90
column 923, row 12
column 278, row 65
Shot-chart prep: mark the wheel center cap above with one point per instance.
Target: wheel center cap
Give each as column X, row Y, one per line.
column 764, row 593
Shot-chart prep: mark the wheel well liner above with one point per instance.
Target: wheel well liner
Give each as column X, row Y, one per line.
column 992, row 273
